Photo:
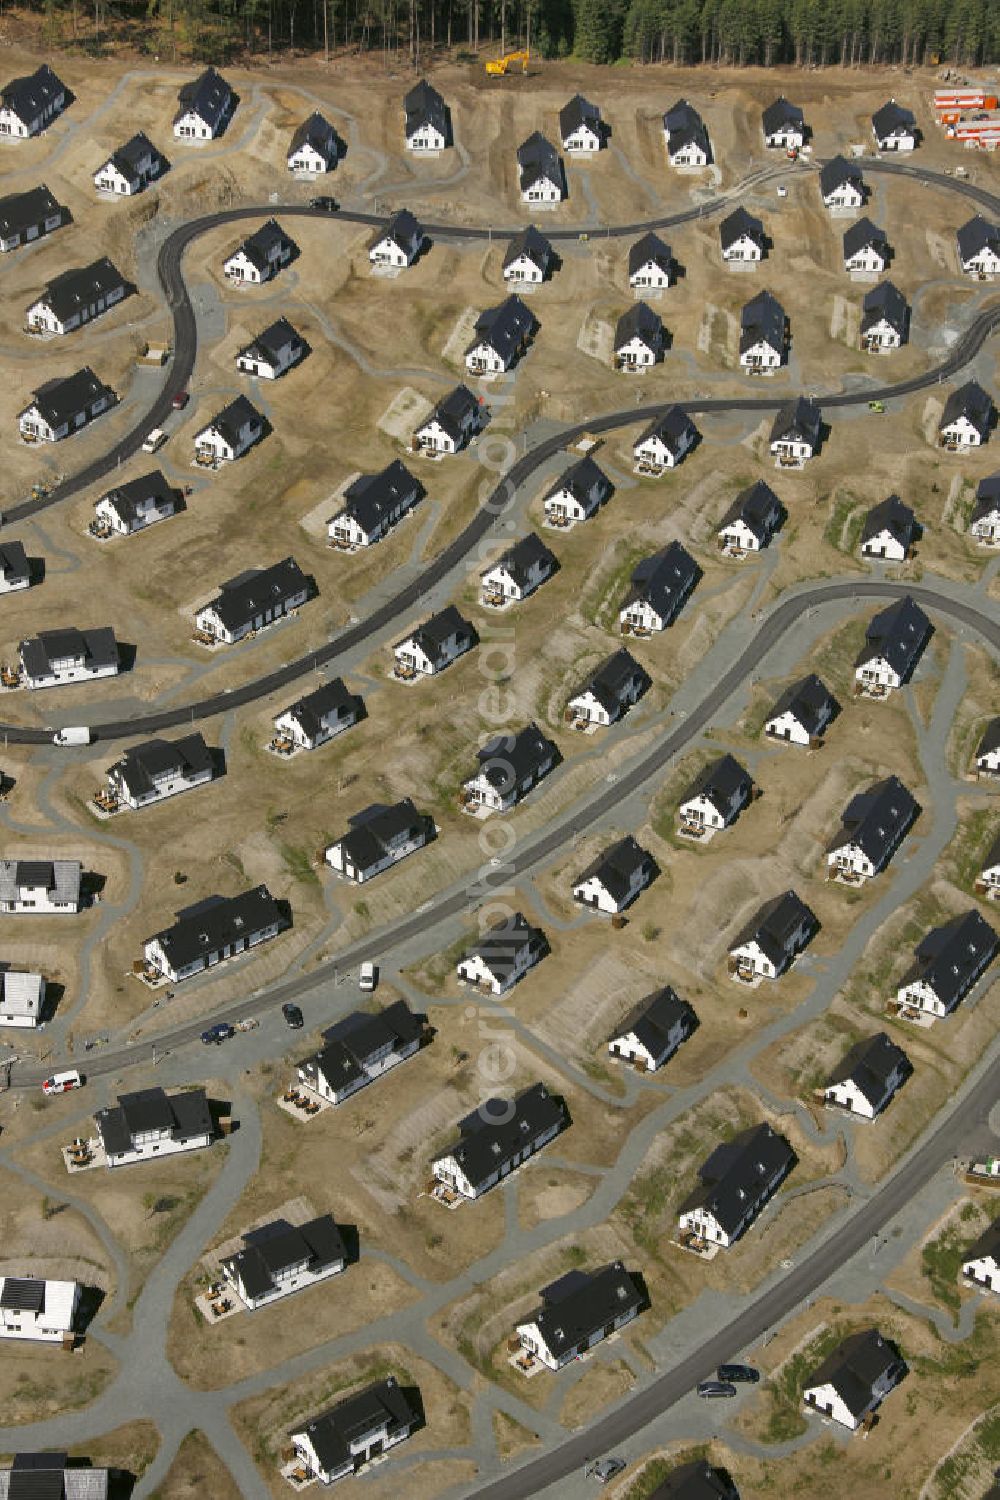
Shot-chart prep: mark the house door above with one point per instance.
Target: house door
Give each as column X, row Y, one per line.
column 375, row 1449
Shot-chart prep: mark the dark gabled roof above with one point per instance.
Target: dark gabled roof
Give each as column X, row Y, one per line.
column 319, row 1243
column 579, row 479
column 128, row 498
column 971, row 401
column 837, row 171
column 869, row 1065
column 140, row 764
column 402, row 229
column 753, row 506
column 987, row 497
column 14, row 560
column 806, row 700
column 207, row 96
column 504, row 326
column 872, row 819
column 271, row 340
column 854, row 1368
column 581, row 1303
column 991, row 738
column 639, row 322
column 649, row 248
column 739, row 223
column 884, row 301
column 976, row 235
column 257, row 246
column 514, row 755
column 370, row 498
column 60, row 399
column 423, row 105
column 71, row 290
column 895, row 633
column 861, row 234
column 452, row 409
column 431, row 634
column 370, row 831
column 242, row 598
column 98, row 647
column 184, row 1115
column 949, row 955
column 531, row 243
column 798, row 419
column 683, row 124
column 134, row 151
column 29, row 95
column 892, row 119
column 987, row 1245
column 377, row 1405
column 499, row 1129
column 19, row 211
column 893, row 516
column 772, row 925
column 499, row 945
column 660, row 578
column 762, row 320
column 537, row 158
column 697, row 1480
column 519, row 558
column 734, row 1172
column 608, row 682
column 671, row 428
column 25, row 1293
column 231, row 418
column 719, row 781
column 781, row 113
column 219, row 921
column 319, row 134
column 579, row 111
column 358, row 1035
column 333, row 696
column 616, row 866
column 653, row 1019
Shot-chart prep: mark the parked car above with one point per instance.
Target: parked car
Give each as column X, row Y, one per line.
column 605, row 1469
column 327, row 204
column 180, row 401
column 292, row 1015
column 714, row 1388
column 368, row 977
column 745, row 1374
column 156, row 439
column 219, row 1033
column 62, row 1083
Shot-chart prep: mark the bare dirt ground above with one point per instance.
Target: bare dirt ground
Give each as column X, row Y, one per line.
column 196, row 1470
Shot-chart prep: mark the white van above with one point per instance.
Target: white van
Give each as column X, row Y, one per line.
column 156, row 439
column 62, row 1083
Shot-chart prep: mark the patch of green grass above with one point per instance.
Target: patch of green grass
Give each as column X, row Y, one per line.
column 601, row 602
column 785, row 1417
column 299, row 864
column 941, row 1260
column 970, row 845
column 658, row 1470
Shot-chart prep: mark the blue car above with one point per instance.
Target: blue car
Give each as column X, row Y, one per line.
column 218, row 1034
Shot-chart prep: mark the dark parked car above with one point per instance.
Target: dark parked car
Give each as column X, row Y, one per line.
column 218, row 1034
column 292, row 1015
column 180, row 401
column 327, row 204
column 739, row 1373
column 711, row 1388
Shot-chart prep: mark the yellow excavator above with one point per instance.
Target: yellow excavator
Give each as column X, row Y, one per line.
column 497, row 66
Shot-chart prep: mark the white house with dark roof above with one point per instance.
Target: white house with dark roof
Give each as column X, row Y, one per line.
column 966, row 419
column 783, row 126
column 29, row 216
column 212, row 931
column 379, row 837
column 29, row 103
column 502, row 955
column 618, row 875
column 988, row 750
column 136, row 504
column 651, row 1032
column 498, row 1137
column 232, row 432
column 274, row 350
column 984, row 523
column 685, row 136
column 988, row 879
column 751, row 521
column 889, row 530
column 452, row 424
column 716, row 797
column 736, row 1181
column 981, row 1263
column 979, row 248
column 40, row 887
column 355, row 1432
column 664, row 442
column 130, row 169
column 261, row 256
column 426, row 125
column 578, row 495
column 433, row 645
column 502, row 334
column 321, row 715
column 855, row 1379
column 373, row 505
column 742, row 238
column 205, row 107
column 609, row 692
column 22, row 998
column 795, row 433
column 15, row 570
column 894, row 641
column 866, row 250
column 509, row 766
column 638, row 339
column 580, row 127
column 579, row 1311
column 76, row 297
column 885, row 319
column 802, row 712
column 650, row 264
column 948, row 962
column 697, row 1480
column 868, row 1076
column 763, row 335
column 158, row 769
column 518, row 572
column 253, row 599
column 43, row 1310
column 540, row 172
column 659, row 586
column 151, row 1123
column 315, row 147
column 359, row 1049
column 281, row 1258
column 62, row 406
column 527, row 259
column 772, row 940
column 398, row 244
column 894, row 127
column 59, row 658
column 842, row 185
column 873, row 825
